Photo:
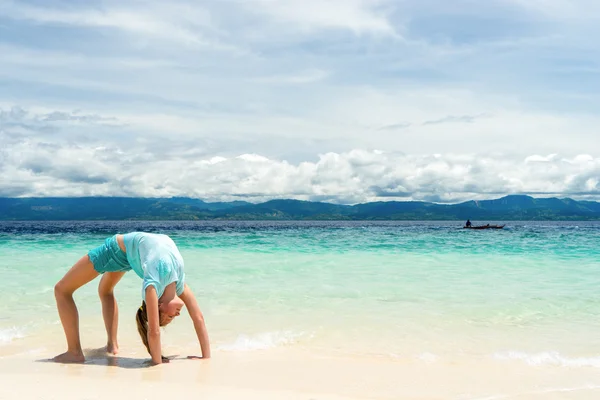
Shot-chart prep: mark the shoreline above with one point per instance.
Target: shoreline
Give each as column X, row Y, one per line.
column 290, row 374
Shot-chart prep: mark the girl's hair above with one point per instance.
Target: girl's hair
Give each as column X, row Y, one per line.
column 141, row 318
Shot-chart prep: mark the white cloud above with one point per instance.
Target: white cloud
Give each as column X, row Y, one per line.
column 302, row 77
column 538, row 158
column 52, row 165
column 358, row 16
column 24, row 57
column 564, row 10
column 178, row 22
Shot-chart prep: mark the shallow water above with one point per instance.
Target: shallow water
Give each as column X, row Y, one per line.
column 423, row 290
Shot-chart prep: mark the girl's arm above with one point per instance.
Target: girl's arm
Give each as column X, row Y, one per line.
column 194, row 310
column 153, row 324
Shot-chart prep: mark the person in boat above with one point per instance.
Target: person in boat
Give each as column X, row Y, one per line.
column 468, row 224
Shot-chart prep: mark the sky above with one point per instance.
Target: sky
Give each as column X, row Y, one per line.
column 343, row 101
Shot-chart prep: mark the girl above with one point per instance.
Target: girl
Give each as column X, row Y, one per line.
column 154, row 258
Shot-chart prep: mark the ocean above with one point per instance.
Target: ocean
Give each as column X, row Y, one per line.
column 428, row 292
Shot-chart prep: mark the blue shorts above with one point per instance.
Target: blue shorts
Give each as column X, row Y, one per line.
column 109, row 257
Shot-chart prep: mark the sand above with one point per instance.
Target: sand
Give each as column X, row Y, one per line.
column 289, row 374
column 298, row 370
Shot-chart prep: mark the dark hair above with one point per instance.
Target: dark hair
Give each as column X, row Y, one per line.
column 141, row 318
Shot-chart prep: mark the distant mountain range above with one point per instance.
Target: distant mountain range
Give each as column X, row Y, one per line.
column 514, row 207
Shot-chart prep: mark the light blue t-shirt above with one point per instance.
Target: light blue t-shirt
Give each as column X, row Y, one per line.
column 156, row 259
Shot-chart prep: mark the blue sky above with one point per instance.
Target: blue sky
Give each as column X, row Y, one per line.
column 340, row 100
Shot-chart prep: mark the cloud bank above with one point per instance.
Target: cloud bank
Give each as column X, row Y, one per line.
column 109, row 165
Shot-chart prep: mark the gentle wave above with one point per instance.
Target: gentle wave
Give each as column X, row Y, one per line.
column 549, row 358
column 263, row 341
column 8, row 335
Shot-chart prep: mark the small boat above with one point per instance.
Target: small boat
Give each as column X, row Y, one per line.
column 488, row 226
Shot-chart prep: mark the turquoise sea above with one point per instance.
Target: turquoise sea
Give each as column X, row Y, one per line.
column 420, row 290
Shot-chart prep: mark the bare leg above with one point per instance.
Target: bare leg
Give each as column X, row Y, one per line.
column 110, row 310
column 81, row 273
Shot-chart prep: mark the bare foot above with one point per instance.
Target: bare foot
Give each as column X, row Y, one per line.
column 69, row 358
column 112, row 349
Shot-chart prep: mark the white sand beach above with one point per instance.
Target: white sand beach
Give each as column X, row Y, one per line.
column 288, row 374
